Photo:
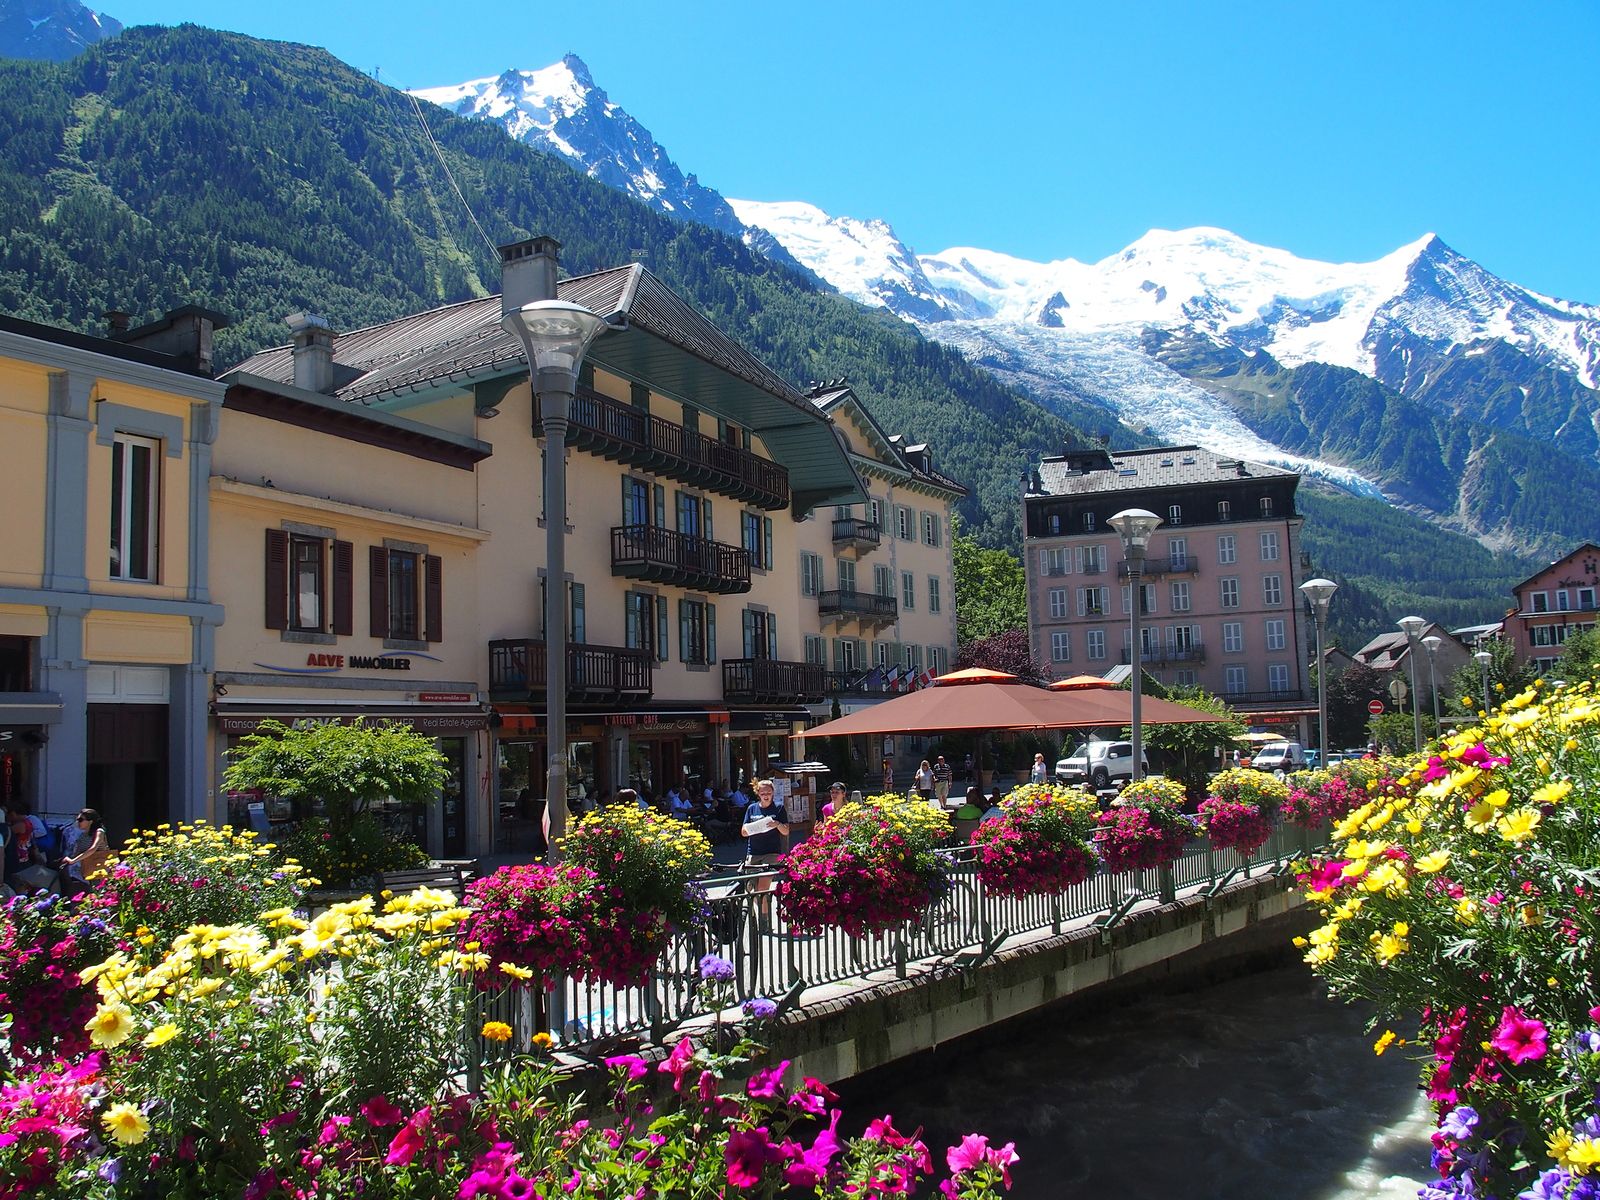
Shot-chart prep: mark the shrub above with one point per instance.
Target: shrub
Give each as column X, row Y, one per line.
column 1145, row 827
column 1039, row 843
column 351, row 856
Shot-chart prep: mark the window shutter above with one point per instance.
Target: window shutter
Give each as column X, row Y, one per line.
column 711, row 633
column 766, row 541
column 705, row 519
column 861, row 654
column 344, row 573
column 378, row 590
column 577, row 618
column 662, row 648
column 277, row 595
column 433, row 598
column 772, row 635
column 838, row 654
column 661, row 507
column 683, row 631
column 627, row 517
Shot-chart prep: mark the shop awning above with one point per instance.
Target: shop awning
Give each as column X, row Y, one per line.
column 30, row 708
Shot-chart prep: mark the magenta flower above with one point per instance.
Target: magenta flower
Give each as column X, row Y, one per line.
column 637, row 1068
column 1520, row 1038
column 405, row 1144
column 765, row 1084
column 810, row 1166
column 973, row 1151
column 678, row 1062
column 747, row 1155
column 381, row 1113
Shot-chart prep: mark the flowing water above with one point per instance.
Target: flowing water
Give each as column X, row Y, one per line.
column 1259, row 1086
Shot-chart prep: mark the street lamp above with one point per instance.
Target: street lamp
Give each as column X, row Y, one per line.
column 1413, row 626
column 1431, row 644
column 1484, row 658
column 1318, row 593
column 1135, row 525
column 555, row 336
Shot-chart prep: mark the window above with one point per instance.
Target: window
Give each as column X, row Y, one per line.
column 1277, row 677
column 694, row 515
column 1224, row 510
column 908, row 590
column 1058, row 603
column 640, row 627
column 405, row 590
column 1092, row 559
column 1088, row 522
column 1232, row 637
column 932, row 534
column 1277, row 636
column 1061, row 647
column 1272, row 590
column 1563, row 604
column 847, row 575
column 1184, row 641
column 816, row 649
column 1180, row 595
column 1266, row 506
column 914, row 658
column 1093, row 601
column 938, row 660
column 1053, row 522
column 1230, row 592
column 1147, row 596
column 1269, row 545
column 846, row 654
column 760, row 634
column 306, row 560
column 810, row 573
column 1233, row 680
column 1056, row 562
column 875, row 512
column 1225, row 548
column 1175, row 514
column 135, row 507
column 1095, row 644
column 1586, row 599
column 1185, row 678
column 1178, row 554
column 16, row 664
column 756, row 537
column 882, row 581
column 640, row 503
column 1541, row 601
column 577, row 614
column 933, row 593
column 299, row 597
column 903, row 527
column 697, row 632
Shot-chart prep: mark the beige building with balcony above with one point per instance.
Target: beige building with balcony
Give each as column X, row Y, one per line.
column 877, row 583
column 690, row 466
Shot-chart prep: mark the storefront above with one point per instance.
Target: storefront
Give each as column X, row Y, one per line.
column 24, row 730
column 759, row 740
column 451, row 829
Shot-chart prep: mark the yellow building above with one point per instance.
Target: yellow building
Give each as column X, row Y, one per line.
column 876, row 578
column 106, row 618
column 689, row 466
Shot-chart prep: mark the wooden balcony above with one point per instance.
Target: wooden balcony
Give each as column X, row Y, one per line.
column 770, row 680
column 622, row 433
column 867, row 608
column 594, row 673
column 853, row 536
column 667, row 556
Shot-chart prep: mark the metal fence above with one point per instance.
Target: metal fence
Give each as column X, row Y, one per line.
column 966, row 923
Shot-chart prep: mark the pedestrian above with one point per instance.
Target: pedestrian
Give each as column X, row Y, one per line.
column 966, row 768
column 1040, row 772
column 766, row 830
column 86, row 854
column 835, row 798
column 925, row 780
column 941, row 780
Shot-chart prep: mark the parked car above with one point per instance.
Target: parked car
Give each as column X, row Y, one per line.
column 1280, row 756
column 1099, row 763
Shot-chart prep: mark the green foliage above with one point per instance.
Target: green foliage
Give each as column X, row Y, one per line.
column 1507, row 677
column 1395, row 732
column 350, row 855
column 1580, row 658
column 1349, row 693
column 1189, row 751
column 991, row 589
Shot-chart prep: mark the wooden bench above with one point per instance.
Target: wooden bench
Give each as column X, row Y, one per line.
column 448, row 877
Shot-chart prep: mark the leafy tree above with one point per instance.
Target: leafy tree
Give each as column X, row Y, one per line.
column 1007, row 651
column 1349, row 693
column 1507, row 677
column 1190, row 751
column 991, row 589
column 1395, row 733
column 1580, row 659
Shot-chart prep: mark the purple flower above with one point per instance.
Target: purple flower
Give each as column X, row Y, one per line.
column 715, row 969
column 1586, row 1042
column 111, row 1170
column 1551, row 1185
column 759, row 1008
column 1460, row 1122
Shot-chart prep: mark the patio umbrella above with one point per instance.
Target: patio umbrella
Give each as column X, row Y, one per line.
column 1260, row 738
column 1075, row 683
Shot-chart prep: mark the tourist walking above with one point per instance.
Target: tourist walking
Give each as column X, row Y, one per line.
column 766, row 832
column 1040, row 772
column 941, row 780
column 925, row 780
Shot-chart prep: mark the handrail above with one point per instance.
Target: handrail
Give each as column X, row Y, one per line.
column 517, row 666
column 656, row 552
column 866, row 604
column 856, row 529
column 772, row 679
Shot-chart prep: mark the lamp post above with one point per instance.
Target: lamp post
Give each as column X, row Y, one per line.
column 1483, row 659
column 1134, row 526
column 1413, row 626
column 1431, row 644
column 1318, row 592
column 555, row 336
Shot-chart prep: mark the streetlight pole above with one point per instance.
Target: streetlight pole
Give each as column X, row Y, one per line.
column 1431, row 643
column 555, row 336
column 1318, row 592
column 1413, row 626
column 1483, row 659
column 1135, row 525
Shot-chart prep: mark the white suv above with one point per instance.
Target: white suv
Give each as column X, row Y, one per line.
column 1099, row 763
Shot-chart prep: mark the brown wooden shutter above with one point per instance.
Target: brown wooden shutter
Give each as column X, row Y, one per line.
column 277, row 596
column 378, row 591
column 433, row 599
column 344, row 571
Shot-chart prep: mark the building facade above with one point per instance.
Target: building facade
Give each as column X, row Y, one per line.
column 877, row 582
column 1552, row 605
column 1220, row 605
column 107, row 623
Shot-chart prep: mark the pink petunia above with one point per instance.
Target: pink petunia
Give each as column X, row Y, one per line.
column 1520, row 1038
column 380, row 1112
column 747, row 1154
column 637, row 1068
column 973, row 1151
column 767, row 1083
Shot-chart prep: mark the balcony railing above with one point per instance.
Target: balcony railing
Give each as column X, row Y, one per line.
column 517, row 668
column 1186, row 565
column 623, row 433
column 865, row 682
column 867, row 607
column 757, row 680
column 854, row 533
column 667, row 556
column 1285, row 696
column 1163, row 655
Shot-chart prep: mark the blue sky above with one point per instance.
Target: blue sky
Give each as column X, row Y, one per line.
column 1049, row 130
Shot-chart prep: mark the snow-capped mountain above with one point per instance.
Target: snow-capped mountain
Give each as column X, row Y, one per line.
column 560, row 109
column 51, row 29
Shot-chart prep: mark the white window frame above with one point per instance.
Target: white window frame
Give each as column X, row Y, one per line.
column 1227, row 549
column 1233, row 637
column 123, row 505
column 1277, row 634
column 1095, row 644
column 1061, row 646
column 1180, row 595
column 1277, row 677
column 1057, row 601
column 1269, row 545
column 933, row 593
column 908, row 590
column 1228, row 591
column 1272, row 590
column 1234, row 680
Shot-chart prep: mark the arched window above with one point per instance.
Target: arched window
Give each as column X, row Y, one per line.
column 1175, row 515
column 1266, row 506
column 1224, row 510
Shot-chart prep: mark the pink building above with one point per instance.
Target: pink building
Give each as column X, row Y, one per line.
column 1557, row 603
column 1221, row 608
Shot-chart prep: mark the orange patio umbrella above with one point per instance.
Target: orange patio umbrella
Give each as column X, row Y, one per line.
column 1074, row 683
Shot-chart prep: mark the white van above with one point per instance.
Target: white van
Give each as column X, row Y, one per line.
column 1280, row 756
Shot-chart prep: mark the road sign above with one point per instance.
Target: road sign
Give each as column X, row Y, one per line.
column 1375, row 707
column 1398, row 690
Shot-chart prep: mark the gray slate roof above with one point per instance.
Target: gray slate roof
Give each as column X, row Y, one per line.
column 1143, row 470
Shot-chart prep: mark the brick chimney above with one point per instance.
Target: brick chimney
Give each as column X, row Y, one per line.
column 528, row 272
column 185, row 333
column 312, row 338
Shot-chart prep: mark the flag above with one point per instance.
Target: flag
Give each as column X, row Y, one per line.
column 891, row 681
column 924, row 679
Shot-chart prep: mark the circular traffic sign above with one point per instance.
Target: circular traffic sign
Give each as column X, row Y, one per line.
column 1375, row 707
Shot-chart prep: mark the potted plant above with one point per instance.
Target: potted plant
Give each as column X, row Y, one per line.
column 1039, row 843
column 1144, row 827
column 1239, row 812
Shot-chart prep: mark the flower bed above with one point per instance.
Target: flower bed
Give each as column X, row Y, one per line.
column 868, row 868
column 44, row 942
column 1459, row 900
column 1145, row 827
column 1317, row 798
column 1039, row 843
column 1239, row 812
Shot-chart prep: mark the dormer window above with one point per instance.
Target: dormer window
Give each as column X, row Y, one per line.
column 1088, row 522
column 1224, row 510
column 1266, row 506
column 1175, row 515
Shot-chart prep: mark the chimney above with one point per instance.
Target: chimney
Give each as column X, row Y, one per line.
column 184, row 333
column 312, row 338
column 528, row 272
column 117, row 322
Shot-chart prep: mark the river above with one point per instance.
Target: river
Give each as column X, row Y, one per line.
column 1256, row 1087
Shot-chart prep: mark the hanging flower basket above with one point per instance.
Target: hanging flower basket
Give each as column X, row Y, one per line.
column 1145, row 827
column 1039, row 844
column 1239, row 813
